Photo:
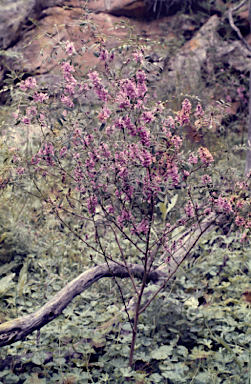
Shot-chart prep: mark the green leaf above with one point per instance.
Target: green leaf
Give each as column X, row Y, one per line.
column 127, row 372
column 163, row 210
column 6, row 283
column 163, row 206
column 23, row 277
column 34, row 379
column 38, row 358
column 181, row 350
column 156, row 378
column 173, row 202
column 162, row 353
column 12, row 378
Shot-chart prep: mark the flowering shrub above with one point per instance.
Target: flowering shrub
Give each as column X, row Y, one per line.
column 118, row 170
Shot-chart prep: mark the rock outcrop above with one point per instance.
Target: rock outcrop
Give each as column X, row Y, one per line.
column 31, row 33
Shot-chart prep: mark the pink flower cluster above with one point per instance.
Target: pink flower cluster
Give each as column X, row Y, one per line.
column 183, row 116
column 205, row 156
column 138, row 56
column 29, row 83
column 98, row 87
column 193, row 159
column 206, row 179
column 129, row 91
column 70, row 50
column 104, row 114
column 70, row 84
column 199, row 111
column 40, row 97
column 224, row 205
column 189, row 209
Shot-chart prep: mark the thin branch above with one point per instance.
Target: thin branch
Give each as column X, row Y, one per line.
column 125, row 262
column 236, row 29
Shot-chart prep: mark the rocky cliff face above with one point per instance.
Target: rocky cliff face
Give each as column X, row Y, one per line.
column 193, row 44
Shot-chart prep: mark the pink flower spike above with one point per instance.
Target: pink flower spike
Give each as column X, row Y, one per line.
column 189, row 209
column 199, row 110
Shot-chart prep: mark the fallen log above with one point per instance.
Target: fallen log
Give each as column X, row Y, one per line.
column 17, row 329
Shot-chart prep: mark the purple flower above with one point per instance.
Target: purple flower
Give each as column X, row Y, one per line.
column 71, row 83
column 224, row 205
column 145, row 137
column 169, row 122
column 92, row 202
column 129, row 126
column 111, row 58
column 142, row 227
column 104, row 114
column 20, row 170
column 67, row 68
column 103, row 55
column 48, row 149
column 70, row 48
column 111, row 209
column 240, row 221
column 177, row 141
column 138, row 56
column 35, row 160
column 206, row 179
column 66, row 100
column 94, row 77
column 29, row 83
column 123, row 218
column 183, row 115
column 63, row 151
column 26, row 120
column 189, row 209
column 147, row 158
column 205, row 156
column 193, row 159
column 207, row 211
column 141, row 76
column 147, row 117
column 186, row 106
column 141, row 89
column 40, row 97
column 41, row 117
column 199, row 110
column 98, row 87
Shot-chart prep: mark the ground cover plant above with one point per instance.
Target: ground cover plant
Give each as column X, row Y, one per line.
column 130, row 200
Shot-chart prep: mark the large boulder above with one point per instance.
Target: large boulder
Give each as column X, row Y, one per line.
column 32, row 38
column 31, row 33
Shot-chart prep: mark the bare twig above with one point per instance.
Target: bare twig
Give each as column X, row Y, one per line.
column 236, row 29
